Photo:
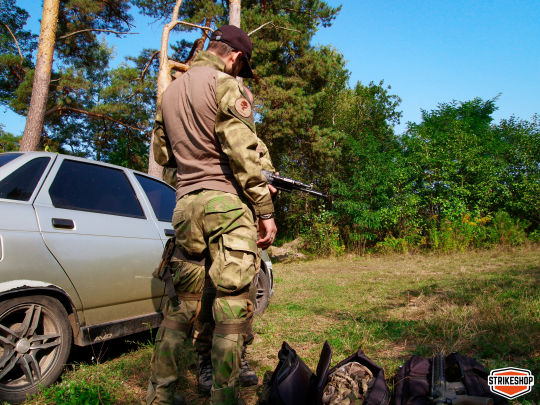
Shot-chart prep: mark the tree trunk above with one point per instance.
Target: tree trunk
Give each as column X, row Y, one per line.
column 234, row 12
column 42, row 76
column 235, row 7
column 163, row 81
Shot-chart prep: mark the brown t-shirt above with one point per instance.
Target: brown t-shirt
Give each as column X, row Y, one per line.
column 189, row 111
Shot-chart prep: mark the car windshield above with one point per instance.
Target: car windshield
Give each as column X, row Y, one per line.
column 8, row 157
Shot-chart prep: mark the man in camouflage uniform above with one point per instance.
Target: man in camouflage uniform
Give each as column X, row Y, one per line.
column 205, row 125
column 204, row 325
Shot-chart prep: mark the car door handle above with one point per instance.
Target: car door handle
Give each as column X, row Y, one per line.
column 63, row 223
column 169, row 232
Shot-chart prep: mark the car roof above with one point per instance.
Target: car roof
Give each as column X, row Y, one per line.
column 80, row 159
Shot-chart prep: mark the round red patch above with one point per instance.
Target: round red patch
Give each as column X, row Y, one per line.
column 243, row 107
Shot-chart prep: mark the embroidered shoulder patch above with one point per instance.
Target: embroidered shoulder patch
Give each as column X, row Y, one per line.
column 243, row 107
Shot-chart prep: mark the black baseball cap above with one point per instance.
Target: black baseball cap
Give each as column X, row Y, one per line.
column 240, row 42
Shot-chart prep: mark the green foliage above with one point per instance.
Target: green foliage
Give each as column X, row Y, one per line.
column 320, row 235
column 77, row 393
column 16, row 47
column 8, row 142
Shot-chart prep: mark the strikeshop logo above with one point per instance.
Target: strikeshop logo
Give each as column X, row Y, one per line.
column 510, row 382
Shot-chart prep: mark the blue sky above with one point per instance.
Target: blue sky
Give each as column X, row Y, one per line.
column 428, row 51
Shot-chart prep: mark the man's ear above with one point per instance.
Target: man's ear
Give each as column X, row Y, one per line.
column 237, row 55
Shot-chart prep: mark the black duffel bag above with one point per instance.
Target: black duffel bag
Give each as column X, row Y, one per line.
column 293, row 383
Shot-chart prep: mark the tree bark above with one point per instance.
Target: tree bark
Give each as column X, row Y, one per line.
column 235, row 7
column 234, row 12
column 42, row 76
column 163, row 81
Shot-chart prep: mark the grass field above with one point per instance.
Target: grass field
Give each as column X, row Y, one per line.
column 483, row 304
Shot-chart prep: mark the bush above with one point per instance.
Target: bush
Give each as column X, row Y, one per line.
column 321, row 236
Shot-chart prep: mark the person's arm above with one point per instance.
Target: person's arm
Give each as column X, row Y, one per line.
column 266, row 161
column 235, row 130
column 162, row 148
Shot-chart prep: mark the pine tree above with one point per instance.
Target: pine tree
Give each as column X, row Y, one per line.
column 73, row 36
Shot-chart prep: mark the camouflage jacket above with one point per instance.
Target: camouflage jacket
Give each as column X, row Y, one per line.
column 234, row 130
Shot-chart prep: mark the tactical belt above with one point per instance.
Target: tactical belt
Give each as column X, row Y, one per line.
column 231, row 328
column 174, row 325
column 186, row 296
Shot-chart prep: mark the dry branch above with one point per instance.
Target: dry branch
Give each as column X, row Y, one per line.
column 16, row 43
column 178, row 66
column 156, row 53
column 194, row 25
column 273, row 26
column 90, row 114
column 100, row 30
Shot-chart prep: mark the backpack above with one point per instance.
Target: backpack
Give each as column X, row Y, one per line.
column 413, row 380
column 293, row 383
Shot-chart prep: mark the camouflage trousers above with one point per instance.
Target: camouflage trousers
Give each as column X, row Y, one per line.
column 220, row 226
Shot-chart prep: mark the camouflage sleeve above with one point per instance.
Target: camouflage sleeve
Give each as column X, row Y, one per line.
column 235, row 130
column 161, row 146
column 266, row 161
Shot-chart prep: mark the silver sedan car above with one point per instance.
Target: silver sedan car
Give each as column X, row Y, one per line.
column 79, row 240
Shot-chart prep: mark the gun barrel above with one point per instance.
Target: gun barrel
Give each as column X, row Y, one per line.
column 286, row 184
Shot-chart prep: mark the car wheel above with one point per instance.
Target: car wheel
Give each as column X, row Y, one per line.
column 35, row 340
column 263, row 293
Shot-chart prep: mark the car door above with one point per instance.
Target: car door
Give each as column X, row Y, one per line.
column 102, row 235
column 162, row 199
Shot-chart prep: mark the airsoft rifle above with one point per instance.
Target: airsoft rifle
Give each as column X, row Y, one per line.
column 288, row 185
column 450, row 393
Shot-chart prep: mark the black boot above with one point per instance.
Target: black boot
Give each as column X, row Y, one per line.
column 205, row 375
column 247, row 375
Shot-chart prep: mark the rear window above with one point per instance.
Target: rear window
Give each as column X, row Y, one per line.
column 8, row 157
column 20, row 184
column 162, row 197
column 89, row 187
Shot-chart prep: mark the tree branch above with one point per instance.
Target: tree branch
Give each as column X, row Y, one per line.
column 179, row 67
column 16, row 43
column 90, row 114
column 257, row 29
column 199, row 43
column 273, row 26
column 147, row 66
column 15, row 72
column 100, row 30
column 194, row 25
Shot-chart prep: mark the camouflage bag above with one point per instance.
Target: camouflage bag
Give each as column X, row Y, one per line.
column 347, row 385
column 355, row 380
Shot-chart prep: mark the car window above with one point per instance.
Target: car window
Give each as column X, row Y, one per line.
column 20, row 184
column 8, row 157
column 89, row 187
column 162, row 197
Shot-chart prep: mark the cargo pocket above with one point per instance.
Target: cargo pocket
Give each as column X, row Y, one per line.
column 182, row 229
column 178, row 217
column 239, row 268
